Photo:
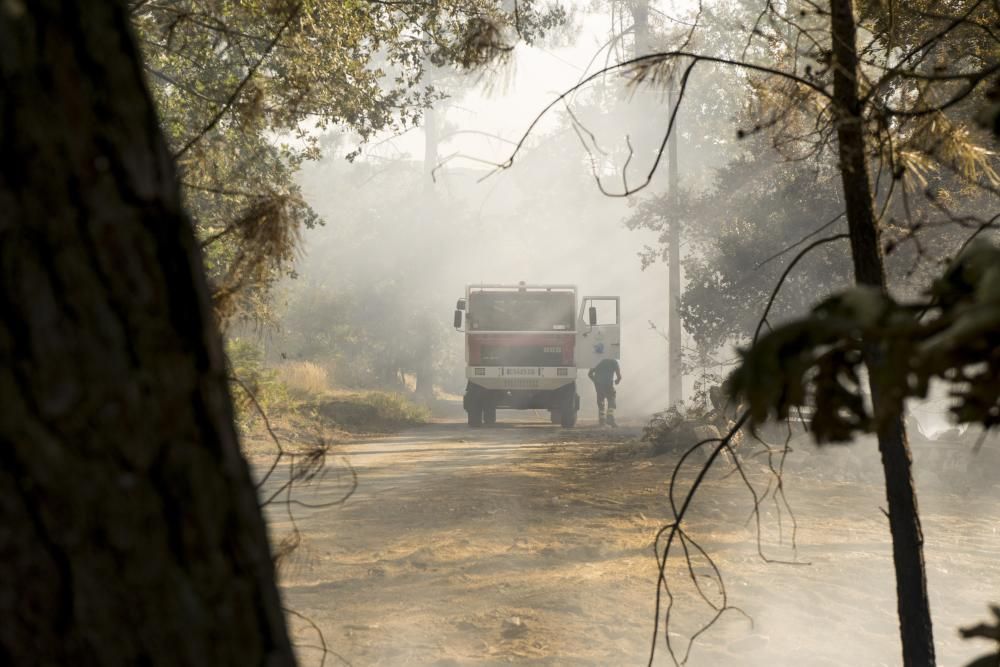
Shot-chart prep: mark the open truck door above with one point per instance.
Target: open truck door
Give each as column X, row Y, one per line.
column 598, row 330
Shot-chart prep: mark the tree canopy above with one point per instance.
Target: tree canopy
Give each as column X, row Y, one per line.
column 953, row 334
column 245, row 90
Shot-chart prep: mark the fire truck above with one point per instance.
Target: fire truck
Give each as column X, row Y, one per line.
column 525, row 343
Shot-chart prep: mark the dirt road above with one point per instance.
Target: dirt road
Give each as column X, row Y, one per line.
column 529, row 544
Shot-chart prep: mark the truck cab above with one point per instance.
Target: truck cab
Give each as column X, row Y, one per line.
column 525, row 343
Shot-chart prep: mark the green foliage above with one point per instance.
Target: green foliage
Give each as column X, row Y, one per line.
column 759, row 211
column 954, row 335
column 372, row 411
column 244, row 90
column 395, row 408
column 299, row 388
column 757, row 205
column 932, row 168
column 254, row 386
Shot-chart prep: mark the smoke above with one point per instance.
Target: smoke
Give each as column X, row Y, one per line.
column 392, row 228
column 378, row 282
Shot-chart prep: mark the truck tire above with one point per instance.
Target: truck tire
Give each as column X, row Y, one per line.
column 571, row 404
column 474, row 409
column 490, row 414
column 555, row 416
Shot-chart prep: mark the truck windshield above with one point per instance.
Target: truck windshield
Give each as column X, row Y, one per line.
column 521, row 311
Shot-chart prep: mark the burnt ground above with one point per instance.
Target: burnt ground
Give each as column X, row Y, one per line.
column 529, row 544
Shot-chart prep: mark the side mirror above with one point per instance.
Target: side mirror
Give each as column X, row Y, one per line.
column 458, row 319
column 593, row 316
column 460, row 305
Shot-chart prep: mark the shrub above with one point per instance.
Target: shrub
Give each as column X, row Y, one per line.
column 373, row 411
column 249, row 375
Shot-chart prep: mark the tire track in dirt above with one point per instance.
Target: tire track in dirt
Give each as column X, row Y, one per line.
column 532, row 545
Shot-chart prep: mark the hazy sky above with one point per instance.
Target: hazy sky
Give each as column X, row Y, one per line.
column 504, row 102
column 599, row 255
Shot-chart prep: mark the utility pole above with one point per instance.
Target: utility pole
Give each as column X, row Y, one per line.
column 640, row 24
column 430, row 150
column 643, row 46
column 424, row 371
column 431, row 140
column 675, row 394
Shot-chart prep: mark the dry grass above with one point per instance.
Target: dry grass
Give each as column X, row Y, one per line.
column 334, row 415
column 304, row 379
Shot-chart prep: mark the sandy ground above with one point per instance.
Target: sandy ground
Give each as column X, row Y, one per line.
column 529, row 544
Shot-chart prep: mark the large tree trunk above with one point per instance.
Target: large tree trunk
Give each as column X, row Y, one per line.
column 904, row 520
column 130, row 531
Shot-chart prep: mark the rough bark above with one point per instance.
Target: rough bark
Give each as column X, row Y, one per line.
column 130, row 531
column 904, row 520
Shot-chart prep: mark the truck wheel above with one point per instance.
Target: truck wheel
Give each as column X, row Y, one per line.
column 555, row 416
column 570, row 406
column 475, row 410
column 490, row 414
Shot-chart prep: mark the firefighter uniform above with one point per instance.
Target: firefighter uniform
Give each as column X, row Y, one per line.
column 605, row 375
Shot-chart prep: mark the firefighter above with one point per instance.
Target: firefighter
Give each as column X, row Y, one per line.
column 601, row 375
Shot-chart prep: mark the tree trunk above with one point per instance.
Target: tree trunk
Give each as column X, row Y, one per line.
column 904, row 520
column 130, row 531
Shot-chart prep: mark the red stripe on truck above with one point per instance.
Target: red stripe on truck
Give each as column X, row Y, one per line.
column 477, row 341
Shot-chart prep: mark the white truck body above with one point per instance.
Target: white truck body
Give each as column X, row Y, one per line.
column 525, row 343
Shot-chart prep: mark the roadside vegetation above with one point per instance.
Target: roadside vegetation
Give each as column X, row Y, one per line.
column 296, row 396
column 158, row 316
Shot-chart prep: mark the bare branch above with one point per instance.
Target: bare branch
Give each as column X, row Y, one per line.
column 319, row 634
column 784, row 275
column 643, row 63
column 673, row 529
column 267, row 425
column 802, row 240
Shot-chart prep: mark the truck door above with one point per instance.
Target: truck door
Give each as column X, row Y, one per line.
column 601, row 339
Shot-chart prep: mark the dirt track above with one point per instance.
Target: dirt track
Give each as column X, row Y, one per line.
column 529, row 544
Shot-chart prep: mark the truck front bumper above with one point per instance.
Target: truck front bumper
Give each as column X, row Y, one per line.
column 521, row 377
